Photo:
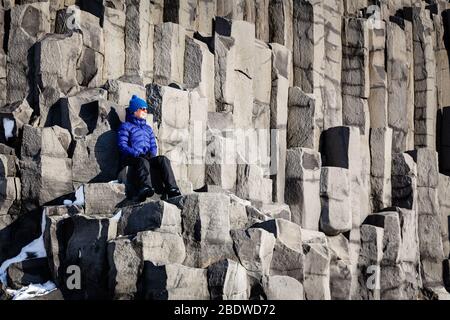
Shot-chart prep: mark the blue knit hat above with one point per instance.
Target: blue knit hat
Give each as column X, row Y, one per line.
column 136, row 103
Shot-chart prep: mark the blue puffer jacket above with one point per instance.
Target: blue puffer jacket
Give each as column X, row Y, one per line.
column 136, row 137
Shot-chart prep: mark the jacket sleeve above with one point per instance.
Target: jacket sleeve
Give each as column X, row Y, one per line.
column 153, row 145
column 122, row 141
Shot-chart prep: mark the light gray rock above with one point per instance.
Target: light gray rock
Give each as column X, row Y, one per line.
column 206, row 11
column 183, row 13
column 302, row 128
column 280, row 23
column 262, row 20
column 404, row 181
column 238, row 212
column 370, row 257
column 221, row 168
column 380, row 152
column 398, row 64
column 254, row 248
column 227, row 280
column 13, row 117
column 332, row 66
column 316, row 284
column 308, row 52
column 173, row 128
column 156, row 215
column 23, row 35
column 277, row 211
column 198, row 118
column 199, row 70
column 169, row 47
column 281, row 60
column 427, row 167
column 287, row 258
column 57, row 60
column 161, row 247
column 120, row 91
column 239, row 35
column 262, row 80
column 252, row 185
column 175, row 282
column 355, row 58
column 206, row 228
column 114, row 35
column 444, row 202
column 341, row 276
column 10, row 194
column 125, row 266
column 101, row 165
column 103, row 198
column 336, row 214
column 52, row 141
column 303, row 182
column 282, row 288
column 425, row 101
column 139, row 33
column 378, row 98
column 46, row 180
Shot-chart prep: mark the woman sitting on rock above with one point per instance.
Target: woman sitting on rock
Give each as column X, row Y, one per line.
column 138, row 148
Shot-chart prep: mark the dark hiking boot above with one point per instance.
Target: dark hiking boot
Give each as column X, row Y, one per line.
column 145, row 192
column 173, row 192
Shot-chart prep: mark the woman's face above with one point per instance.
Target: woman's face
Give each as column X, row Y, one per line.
column 141, row 113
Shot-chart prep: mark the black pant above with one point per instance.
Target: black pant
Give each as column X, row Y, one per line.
column 153, row 172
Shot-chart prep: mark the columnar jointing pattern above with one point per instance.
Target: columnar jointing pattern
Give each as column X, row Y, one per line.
column 310, row 138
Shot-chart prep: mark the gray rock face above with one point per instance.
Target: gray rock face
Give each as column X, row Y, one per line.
column 302, row 128
column 400, row 90
column 380, row 148
column 13, row 117
column 175, row 282
column 114, row 35
column 336, row 215
column 227, row 280
column 287, row 258
column 169, row 46
column 285, row 116
column 316, row 282
column 206, row 228
column 404, row 181
column 303, row 179
column 254, row 248
column 32, row 271
column 103, row 198
column 400, row 277
column 125, row 266
column 161, row 247
column 276, row 288
column 370, row 257
column 29, row 23
column 139, row 39
column 47, row 172
column 340, row 268
column 149, row 216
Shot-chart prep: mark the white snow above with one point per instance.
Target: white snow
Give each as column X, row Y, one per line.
column 33, row 290
column 8, row 126
column 79, row 195
column 35, row 249
column 114, row 182
column 117, row 216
